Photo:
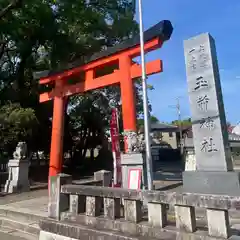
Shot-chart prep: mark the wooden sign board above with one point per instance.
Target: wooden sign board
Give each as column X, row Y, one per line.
column 134, row 178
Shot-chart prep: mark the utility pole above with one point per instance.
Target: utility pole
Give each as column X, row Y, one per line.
column 180, row 124
column 145, row 102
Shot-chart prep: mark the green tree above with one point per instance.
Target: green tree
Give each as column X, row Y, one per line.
column 10, row 6
column 16, row 124
column 153, row 119
column 185, row 122
column 39, row 35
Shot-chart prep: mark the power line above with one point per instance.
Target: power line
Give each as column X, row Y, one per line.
column 179, row 121
column 180, row 124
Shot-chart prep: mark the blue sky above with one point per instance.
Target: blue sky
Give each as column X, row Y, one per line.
column 189, row 18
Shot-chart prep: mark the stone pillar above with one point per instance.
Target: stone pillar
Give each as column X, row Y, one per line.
column 112, row 207
column 18, row 170
column 93, row 206
column 185, row 218
column 77, row 204
column 18, row 176
column 157, row 214
column 104, row 176
column 218, row 223
column 58, row 202
column 133, row 160
column 213, row 156
column 132, row 210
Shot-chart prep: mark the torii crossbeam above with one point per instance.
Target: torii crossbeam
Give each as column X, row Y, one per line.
column 120, row 57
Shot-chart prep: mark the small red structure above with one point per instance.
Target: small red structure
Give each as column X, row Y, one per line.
column 118, row 58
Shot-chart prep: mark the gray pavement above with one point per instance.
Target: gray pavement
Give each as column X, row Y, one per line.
column 11, row 198
column 168, row 175
column 35, row 206
column 36, row 202
column 6, row 236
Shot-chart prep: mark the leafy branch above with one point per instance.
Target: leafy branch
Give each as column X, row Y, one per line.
column 12, row 5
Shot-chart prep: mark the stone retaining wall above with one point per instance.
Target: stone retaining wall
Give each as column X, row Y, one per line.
column 90, row 209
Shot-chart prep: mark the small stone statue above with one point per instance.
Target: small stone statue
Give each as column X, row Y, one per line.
column 131, row 139
column 18, row 169
column 135, row 142
column 141, row 142
column 20, row 151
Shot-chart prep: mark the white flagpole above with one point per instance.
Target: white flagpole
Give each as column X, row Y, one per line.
column 145, row 102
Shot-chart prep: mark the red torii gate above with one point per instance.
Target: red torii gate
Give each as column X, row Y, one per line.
column 119, row 56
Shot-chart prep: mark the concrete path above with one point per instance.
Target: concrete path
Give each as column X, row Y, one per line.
column 36, row 202
column 20, row 214
column 36, row 206
column 11, row 198
column 6, row 236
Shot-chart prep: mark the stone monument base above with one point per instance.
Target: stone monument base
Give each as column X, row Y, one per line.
column 223, row 183
column 17, row 176
column 15, row 187
column 131, row 161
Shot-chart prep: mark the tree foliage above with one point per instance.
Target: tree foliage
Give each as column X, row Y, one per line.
column 37, row 35
column 12, row 5
column 184, row 123
column 16, row 124
column 152, row 119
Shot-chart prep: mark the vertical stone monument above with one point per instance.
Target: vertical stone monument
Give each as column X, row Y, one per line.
column 18, row 171
column 214, row 171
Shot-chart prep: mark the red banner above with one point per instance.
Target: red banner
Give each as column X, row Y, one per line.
column 114, row 131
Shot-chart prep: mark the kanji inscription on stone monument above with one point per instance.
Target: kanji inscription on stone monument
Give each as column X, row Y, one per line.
column 207, row 123
column 208, row 145
column 202, row 102
column 200, row 83
column 208, row 116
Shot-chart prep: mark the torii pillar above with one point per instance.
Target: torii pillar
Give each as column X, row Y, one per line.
column 56, row 151
column 128, row 97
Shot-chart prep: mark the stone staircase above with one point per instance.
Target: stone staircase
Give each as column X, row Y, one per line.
column 19, row 224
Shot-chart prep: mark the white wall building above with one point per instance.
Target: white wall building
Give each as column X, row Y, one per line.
column 236, row 129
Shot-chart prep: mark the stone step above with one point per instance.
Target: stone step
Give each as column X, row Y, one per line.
column 71, row 231
column 19, row 223
column 13, row 234
column 28, row 227
column 20, row 216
